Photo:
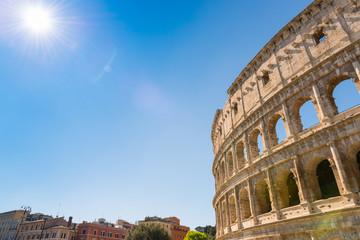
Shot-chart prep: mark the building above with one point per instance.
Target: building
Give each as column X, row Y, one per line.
column 170, row 224
column 43, row 227
column 102, row 230
column 164, row 223
column 10, row 222
column 178, row 232
column 308, row 185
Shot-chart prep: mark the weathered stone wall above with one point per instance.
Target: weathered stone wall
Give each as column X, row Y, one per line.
column 306, row 60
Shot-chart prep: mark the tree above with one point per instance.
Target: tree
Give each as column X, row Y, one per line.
column 193, row 235
column 150, row 232
column 210, row 231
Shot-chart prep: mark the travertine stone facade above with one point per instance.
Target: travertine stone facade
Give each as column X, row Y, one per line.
column 307, row 186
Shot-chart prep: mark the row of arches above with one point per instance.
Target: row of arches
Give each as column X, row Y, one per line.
column 321, row 181
column 304, row 114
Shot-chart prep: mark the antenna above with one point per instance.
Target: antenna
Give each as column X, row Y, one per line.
column 57, row 215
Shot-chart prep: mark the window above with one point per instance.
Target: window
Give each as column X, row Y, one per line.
column 319, row 36
column 123, row 236
column 110, row 234
column 266, row 78
column 53, row 235
column 95, row 232
column 102, row 234
column 235, row 108
column 116, row 235
column 83, row 231
column 47, row 235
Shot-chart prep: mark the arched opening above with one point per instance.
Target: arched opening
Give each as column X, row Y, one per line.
column 343, row 94
column 287, row 188
column 255, row 141
column 260, row 144
column 244, row 203
column 262, row 195
column 277, row 131
column 293, row 190
column 224, row 216
column 308, row 115
column 232, row 209
column 327, row 181
column 240, row 154
column 304, row 114
column 230, row 163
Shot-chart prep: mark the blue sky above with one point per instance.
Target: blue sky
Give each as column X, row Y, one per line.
column 112, row 117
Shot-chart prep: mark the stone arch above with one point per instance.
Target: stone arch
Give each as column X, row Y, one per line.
column 330, row 88
column 262, row 195
column 254, row 144
column 224, row 215
column 232, row 209
column 244, row 203
column 322, row 179
column 272, row 124
column 240, row 154
column 230, row 163
column 287, row 188
column 299, row 103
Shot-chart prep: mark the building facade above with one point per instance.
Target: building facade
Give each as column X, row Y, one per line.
column 102, row 230
column 43, row 227
column 10, row 222
column 178, row 232
column 164, row 223
column 307, row 186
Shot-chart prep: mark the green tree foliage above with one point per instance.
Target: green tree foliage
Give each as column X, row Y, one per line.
column 210, row 231
column 193, row 235
column 151, row 232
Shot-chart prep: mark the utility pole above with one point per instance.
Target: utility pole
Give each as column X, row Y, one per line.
column 27, row 209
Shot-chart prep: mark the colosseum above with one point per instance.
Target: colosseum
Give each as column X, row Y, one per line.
column 308, row 185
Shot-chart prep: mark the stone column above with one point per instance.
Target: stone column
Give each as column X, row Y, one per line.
column 252, row 201
column 265, row 136
column 289, row 123
column 228, row 213
column 342, row 21
column 258, row 89
column 340, row 168
column 231, row 115
column 237, row 207
column 356, row 80
column 322, row 114
column 242, row 101
column 273, row 195
column 303, row 194
column 221, row 232
column 247, row 148
column 225, row 167
column 233, row 149
column 300, row 180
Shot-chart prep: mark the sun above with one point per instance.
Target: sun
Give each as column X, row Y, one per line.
column 38, row 19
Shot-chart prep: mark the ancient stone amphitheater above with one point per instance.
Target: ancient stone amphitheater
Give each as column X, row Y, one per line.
column 308, row 185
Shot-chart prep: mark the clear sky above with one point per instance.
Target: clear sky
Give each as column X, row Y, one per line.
column 110, row 115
